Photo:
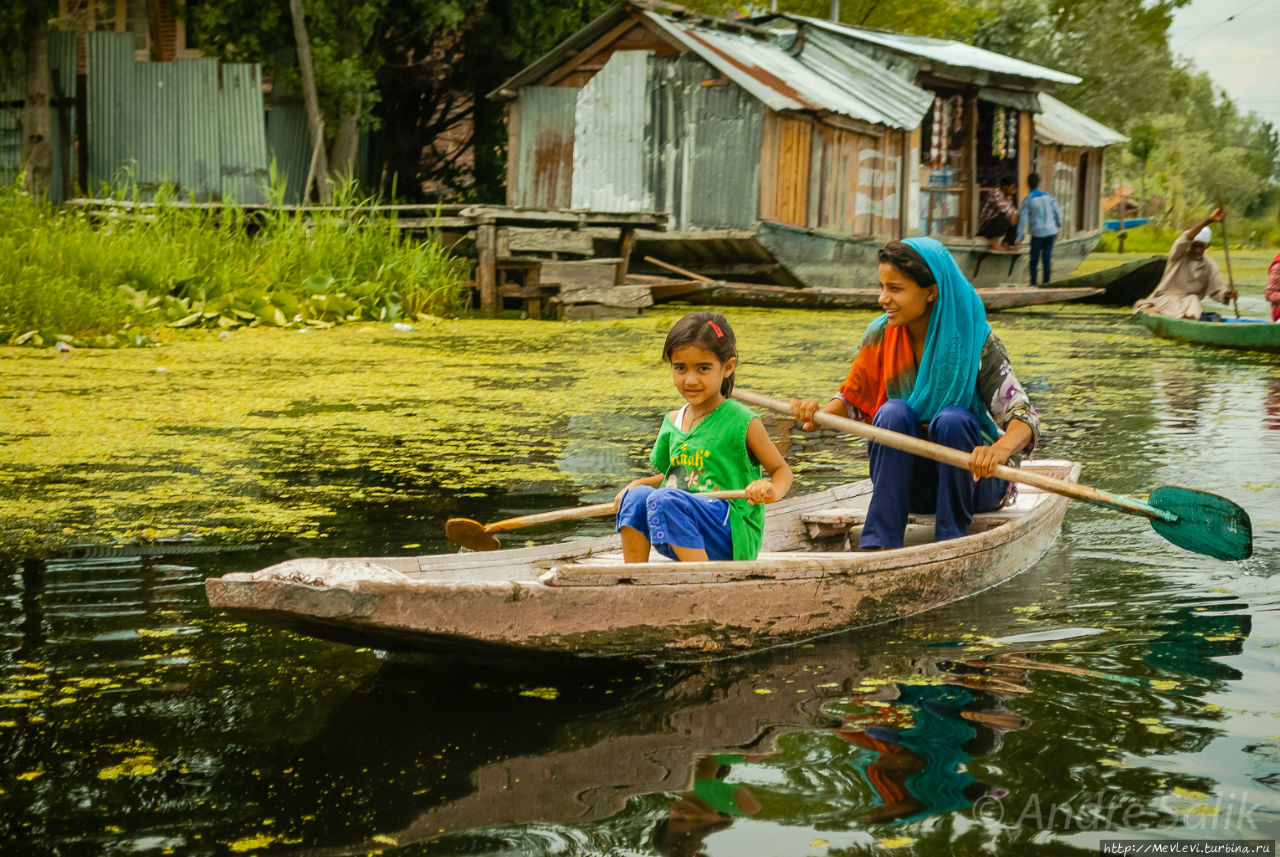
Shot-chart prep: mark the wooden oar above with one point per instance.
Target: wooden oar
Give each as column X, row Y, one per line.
column 478, row 536
column 1195, row 520
column 1226, row 251
column 1231, row 281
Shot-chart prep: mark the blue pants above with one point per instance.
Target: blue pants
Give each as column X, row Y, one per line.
column 905, row 483
column 1042, row 248
column 669, row 516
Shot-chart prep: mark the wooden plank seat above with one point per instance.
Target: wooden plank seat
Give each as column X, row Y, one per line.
column 842, row 520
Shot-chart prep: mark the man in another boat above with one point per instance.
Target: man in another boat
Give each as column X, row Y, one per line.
column 1189, row 276
column 999, row 217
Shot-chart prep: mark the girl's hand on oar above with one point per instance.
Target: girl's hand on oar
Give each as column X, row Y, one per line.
column 760, row 491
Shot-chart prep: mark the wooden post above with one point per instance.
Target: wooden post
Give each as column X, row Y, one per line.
column 904, row 183
column 486, row 267
column 971, row 167
column 626, row 243
column 532, row 287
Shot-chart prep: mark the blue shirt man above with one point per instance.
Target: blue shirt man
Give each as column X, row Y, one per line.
column 1039, row 215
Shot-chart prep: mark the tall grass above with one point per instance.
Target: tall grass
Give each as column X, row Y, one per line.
column 115, row 278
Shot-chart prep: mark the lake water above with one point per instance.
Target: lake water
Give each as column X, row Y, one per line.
column 1118, row 689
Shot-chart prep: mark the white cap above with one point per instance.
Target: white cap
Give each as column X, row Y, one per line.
column 1203, row 236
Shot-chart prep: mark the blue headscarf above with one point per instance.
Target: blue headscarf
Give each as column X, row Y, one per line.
column 958, row 328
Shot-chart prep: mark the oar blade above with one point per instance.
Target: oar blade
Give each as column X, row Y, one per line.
column 1207, row 524
column 470, row 534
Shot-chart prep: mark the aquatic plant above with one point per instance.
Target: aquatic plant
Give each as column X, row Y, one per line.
column 126, row 276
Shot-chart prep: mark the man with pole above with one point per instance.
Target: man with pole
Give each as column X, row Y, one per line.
column 1189, row 277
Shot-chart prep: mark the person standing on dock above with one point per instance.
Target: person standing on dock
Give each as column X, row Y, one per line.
column 1042, row 219
column 1189, row 276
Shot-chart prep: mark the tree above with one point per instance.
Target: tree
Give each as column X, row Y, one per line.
column 413, row 68
column 943, row 19
column 24, row 46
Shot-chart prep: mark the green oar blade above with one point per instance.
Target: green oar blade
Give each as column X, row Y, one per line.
column 1207, row 523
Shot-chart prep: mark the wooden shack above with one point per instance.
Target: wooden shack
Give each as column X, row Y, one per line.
column 788, row 149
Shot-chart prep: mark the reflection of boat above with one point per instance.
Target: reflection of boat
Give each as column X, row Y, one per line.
column 1250, row 334
column 1122, row 284
column 579, row 599
column 596, row 761
column 719, row 293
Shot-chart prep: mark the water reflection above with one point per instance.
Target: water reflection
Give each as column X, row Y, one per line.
column 920, row 739
column 709, row 806
column 1181, row 391
column 1271, row 416
column 832, row 735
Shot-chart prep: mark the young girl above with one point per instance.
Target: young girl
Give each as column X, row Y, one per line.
column 712, row 443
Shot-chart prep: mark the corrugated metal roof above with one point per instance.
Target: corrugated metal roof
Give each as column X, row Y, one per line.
column 1065, row 126
column 818, row 78
column 946, row 51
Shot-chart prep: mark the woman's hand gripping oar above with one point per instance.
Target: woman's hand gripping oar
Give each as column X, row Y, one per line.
column 1194, row 520
column 479, row 537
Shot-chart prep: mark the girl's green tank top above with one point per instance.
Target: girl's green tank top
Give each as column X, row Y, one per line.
column 713, row 456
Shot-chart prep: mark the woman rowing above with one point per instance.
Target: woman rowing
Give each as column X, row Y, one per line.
column 931, row 367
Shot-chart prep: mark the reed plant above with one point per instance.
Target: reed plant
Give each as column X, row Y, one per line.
column 120, row 276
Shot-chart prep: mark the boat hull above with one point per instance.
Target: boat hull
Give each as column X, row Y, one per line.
column 749, row 294
column 1121, row 285
column 1244, row 334
column 555, row 600
column 802, row 257
column 818, row 257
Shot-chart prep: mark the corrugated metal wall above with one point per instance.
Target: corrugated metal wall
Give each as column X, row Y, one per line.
column 726, row 127
column 198, row 154
column 242, row 135
column 611, row 153
column 542, row 169
column 193, row 123
column 289, row 145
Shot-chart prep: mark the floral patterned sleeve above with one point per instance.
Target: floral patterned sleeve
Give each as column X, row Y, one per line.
column 1005, row 398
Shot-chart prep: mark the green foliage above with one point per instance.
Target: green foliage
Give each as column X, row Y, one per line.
column 943, row 19
column 1189, row 143
column 1244, row 232
column 125, row 280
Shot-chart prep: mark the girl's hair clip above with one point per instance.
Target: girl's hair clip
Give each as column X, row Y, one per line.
column 716, row 328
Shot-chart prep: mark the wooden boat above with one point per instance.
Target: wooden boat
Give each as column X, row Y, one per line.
column 822, row 258
column 720, row 293
column 1248, row 334
column 828, row 258
column 1119, row 285
column 577, row 599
